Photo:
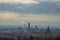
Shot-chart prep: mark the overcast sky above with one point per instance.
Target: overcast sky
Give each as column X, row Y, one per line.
column 38, row 12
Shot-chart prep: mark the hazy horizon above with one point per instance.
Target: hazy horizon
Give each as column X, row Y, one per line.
column 37, row 12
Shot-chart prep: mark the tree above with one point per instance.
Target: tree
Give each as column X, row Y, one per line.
column 31, row 37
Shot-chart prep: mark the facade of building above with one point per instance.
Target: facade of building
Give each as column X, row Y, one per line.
column 48, row 32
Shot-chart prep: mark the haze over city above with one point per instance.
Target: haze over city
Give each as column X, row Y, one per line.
column 29, row 19
column 37, row 12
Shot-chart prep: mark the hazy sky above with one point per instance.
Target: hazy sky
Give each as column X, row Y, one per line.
column 38, row 12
